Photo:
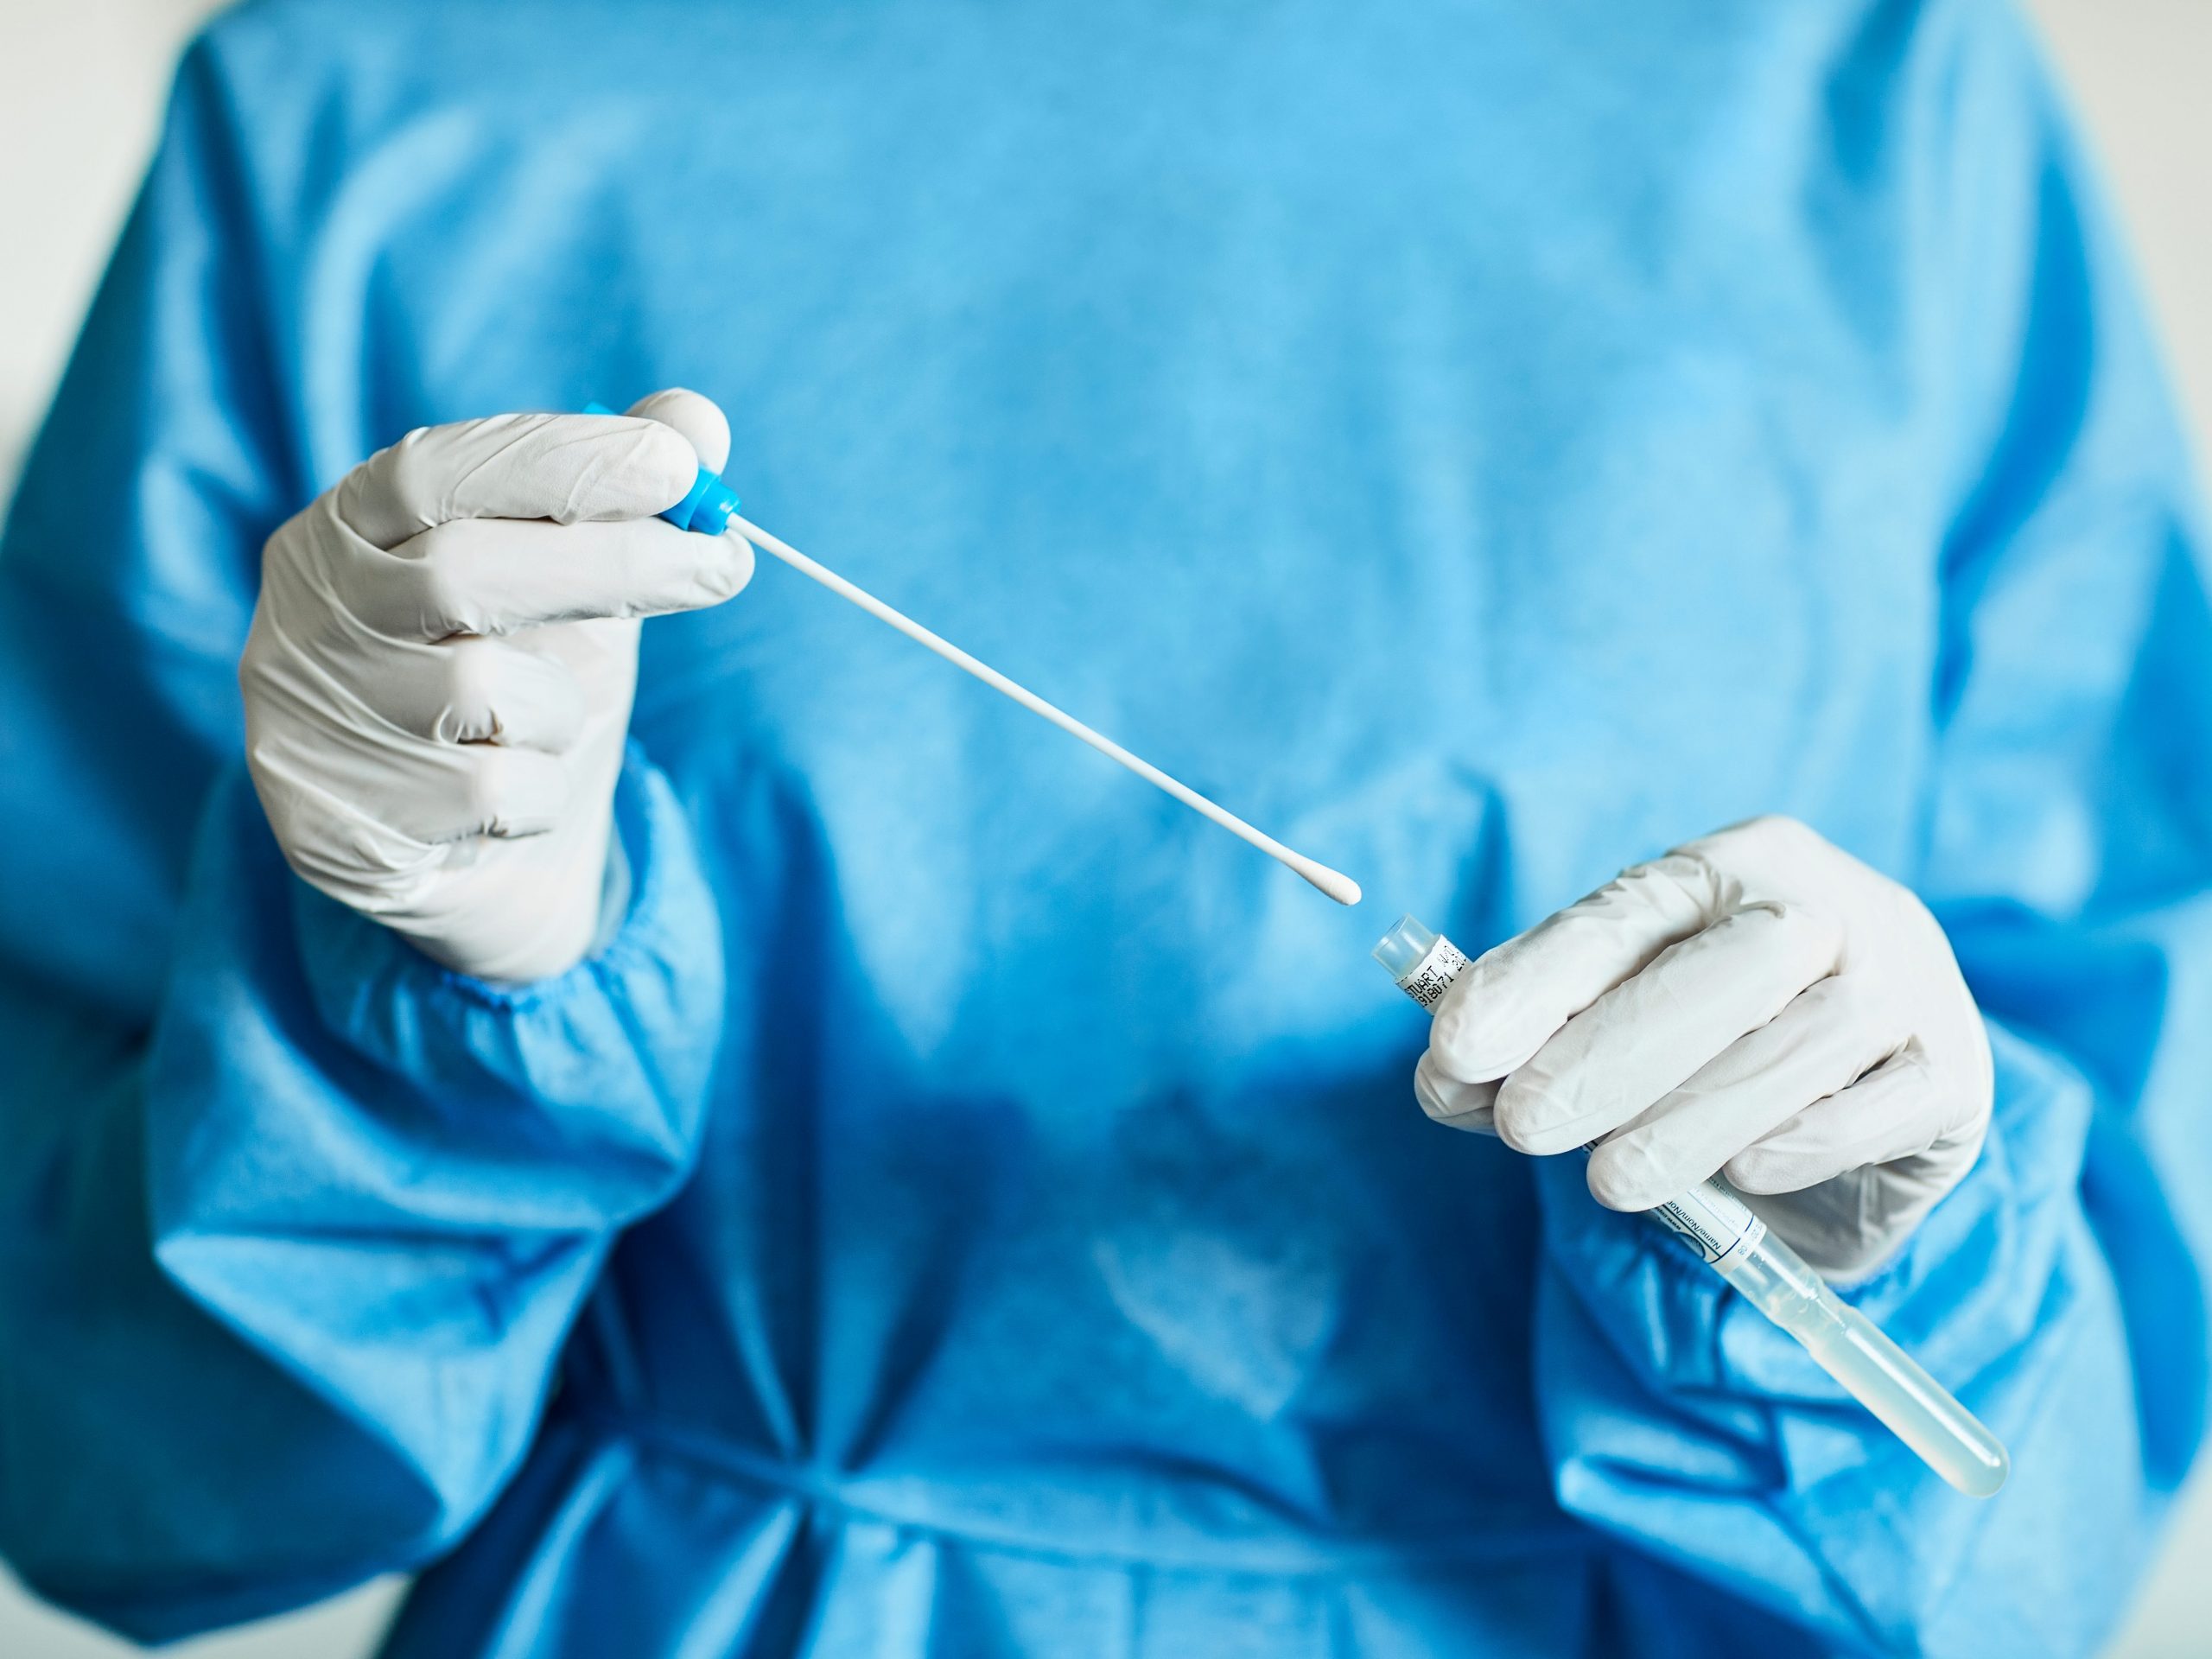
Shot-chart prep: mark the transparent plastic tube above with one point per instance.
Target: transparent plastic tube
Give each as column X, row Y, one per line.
column 1714, row 1220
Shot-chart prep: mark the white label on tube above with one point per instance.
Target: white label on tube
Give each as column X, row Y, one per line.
column 1712, row 1219
column 1432, row 975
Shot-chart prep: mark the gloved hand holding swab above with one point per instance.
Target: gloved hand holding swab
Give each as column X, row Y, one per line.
column 711, row 508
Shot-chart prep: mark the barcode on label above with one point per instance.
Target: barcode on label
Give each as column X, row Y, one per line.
column 1714, row 1219
column 1427, row 983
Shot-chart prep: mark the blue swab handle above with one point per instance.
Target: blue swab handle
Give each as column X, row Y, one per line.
column 706, row 507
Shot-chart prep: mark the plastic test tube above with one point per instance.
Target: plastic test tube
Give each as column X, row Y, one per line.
column 1736, row 1244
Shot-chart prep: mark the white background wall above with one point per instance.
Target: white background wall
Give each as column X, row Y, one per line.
column 80, row 88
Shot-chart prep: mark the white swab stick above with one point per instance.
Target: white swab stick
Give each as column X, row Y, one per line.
column 1337, row 886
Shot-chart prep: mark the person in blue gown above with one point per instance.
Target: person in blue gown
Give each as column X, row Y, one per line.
column 962, row 1203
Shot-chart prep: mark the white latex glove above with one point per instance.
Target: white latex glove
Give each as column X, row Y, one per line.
column 439, row 675
column 1759, row 1002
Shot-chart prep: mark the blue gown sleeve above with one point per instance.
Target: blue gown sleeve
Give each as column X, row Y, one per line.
column 293, row 1222
column 2060, row 1290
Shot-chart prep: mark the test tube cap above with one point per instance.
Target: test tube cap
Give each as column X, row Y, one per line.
column 1403, row 948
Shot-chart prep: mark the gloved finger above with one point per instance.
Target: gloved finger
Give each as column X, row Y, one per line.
column 480, row 788
column 1510, row 1001
column 1825, row 1041
column 1896, row 1111
column 570, row 468
column 471, row 689
column 1456, row 1105
column 499, row 575
column 699, row 419
column 1650, row 1033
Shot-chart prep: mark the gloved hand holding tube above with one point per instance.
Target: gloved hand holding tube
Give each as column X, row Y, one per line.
column 439, row 675
column 1757, row 1002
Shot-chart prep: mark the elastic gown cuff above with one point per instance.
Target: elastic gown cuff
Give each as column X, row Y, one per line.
column 641, row 1015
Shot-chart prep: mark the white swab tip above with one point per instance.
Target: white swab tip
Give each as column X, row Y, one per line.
column 1338, row 886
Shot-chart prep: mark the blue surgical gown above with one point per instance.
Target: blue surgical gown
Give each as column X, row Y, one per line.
column 972, row 1207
